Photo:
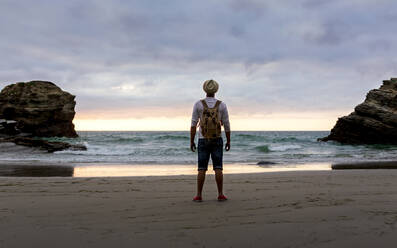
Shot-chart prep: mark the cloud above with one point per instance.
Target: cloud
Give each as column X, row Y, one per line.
column 270, row 56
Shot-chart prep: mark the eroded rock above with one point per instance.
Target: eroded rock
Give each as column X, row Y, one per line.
column 37, row 109
column 40, row 108
column 373, row 122
column 50, row 146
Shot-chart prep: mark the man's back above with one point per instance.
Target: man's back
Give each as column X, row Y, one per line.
column 198, row 113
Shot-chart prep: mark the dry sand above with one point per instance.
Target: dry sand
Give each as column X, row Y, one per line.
column 286, row 209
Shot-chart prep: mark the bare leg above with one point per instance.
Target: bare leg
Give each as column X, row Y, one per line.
column 219, row 180
column 200, row 181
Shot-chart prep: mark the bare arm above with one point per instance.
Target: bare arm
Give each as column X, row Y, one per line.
column 226, row 125
column 193, row 127
column 192, row 135
column 227, row 146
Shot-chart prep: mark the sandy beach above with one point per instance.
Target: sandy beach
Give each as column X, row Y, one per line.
column 284, row 209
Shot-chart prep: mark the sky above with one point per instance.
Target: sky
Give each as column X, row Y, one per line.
column 140, row 65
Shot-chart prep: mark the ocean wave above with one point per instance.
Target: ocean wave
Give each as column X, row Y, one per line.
column 382, row 147
column 128, row 140
column 341, row 155
column 249, row 137
column 109, row 139
column 283, row 148
column 125, row 151
column 173, row 148
column 172, row 137
column 60, row 139
column 263, row 148
column 287, row 139
column 296, row 156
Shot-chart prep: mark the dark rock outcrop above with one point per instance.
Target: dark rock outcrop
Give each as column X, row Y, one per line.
column 37, row 109
column 266, row 163
column 40, row 108
column 10, row 133
column 373, row 122
column 50, row 146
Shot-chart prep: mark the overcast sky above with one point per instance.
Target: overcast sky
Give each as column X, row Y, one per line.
column 149, row 58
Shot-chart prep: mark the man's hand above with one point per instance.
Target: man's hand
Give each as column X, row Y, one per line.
column 193, row 146
column 227, row 147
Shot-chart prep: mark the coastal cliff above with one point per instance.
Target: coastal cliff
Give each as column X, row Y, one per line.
column 37, row 109
column 40, row 108
column 373, row 122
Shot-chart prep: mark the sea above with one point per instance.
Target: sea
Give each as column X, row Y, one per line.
column 269, row 148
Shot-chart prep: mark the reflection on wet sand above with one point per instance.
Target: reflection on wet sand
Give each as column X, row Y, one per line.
column 172, row 170
column 125, row 170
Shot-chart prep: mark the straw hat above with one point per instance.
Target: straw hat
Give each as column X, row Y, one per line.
column 210, row 86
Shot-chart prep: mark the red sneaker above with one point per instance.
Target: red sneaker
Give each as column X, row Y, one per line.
column 222, row 198
column 197, row 199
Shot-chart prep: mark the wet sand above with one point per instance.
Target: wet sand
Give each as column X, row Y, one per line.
column 34, row 169
column 343, row 208
column 365, row 165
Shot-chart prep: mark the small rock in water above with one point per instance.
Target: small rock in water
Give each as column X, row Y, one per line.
column 77, row 148
column 265, row 163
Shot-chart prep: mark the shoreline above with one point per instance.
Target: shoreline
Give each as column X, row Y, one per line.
column 335, row 208
column 92, row 170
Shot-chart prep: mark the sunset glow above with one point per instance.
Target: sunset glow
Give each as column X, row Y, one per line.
column 289, row 122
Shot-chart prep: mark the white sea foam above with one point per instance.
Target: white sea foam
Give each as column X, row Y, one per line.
column 283, row 148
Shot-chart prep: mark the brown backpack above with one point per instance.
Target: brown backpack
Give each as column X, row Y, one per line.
column 210, row 123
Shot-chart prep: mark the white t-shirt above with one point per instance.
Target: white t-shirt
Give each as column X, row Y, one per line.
column 198, row 113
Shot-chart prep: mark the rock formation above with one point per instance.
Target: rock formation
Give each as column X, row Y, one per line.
column 40, row 108
column 37, row 109
column 373, row 122
column 49, row 146
column 10, row 133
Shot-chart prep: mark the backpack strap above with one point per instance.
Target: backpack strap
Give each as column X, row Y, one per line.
column 204, row 104
column 217, row 104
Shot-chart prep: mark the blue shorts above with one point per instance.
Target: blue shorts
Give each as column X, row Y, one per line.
column 210, row 148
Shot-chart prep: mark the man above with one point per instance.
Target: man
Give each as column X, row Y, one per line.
column 210, row 114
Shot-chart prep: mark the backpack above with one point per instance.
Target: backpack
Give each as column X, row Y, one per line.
column 209, row 123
